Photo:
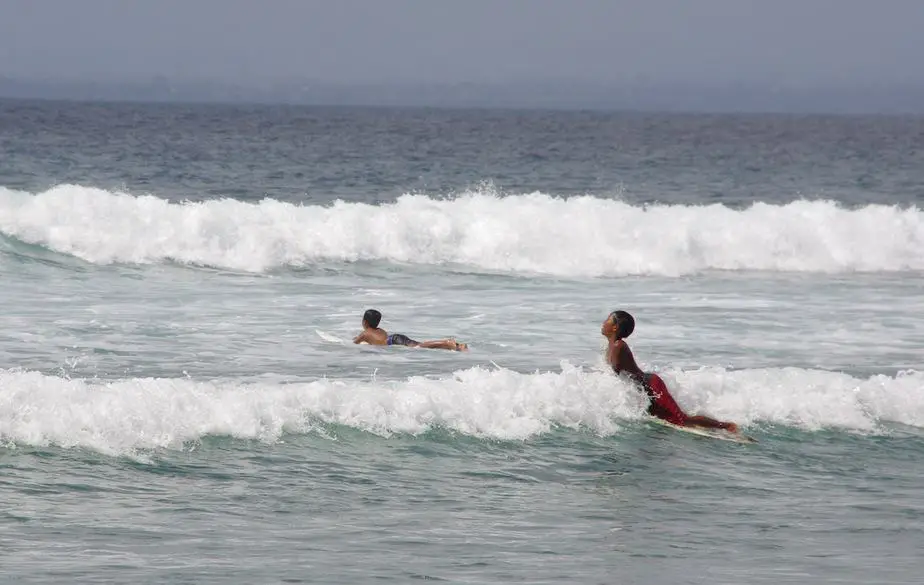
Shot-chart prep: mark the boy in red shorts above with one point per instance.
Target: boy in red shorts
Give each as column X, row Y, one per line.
column 618, row 326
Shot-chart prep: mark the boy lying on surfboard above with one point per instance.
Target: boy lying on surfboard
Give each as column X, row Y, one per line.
column 618, row 326
column 372, row 335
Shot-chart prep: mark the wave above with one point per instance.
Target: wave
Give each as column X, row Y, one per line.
column 134, row 415
column 580, row 236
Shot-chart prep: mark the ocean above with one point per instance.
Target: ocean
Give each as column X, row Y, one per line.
column 181, row 400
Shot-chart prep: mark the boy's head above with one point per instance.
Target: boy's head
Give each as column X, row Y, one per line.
column 619, row 324
column 372, row 318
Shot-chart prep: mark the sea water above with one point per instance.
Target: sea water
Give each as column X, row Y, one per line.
column 181, row 400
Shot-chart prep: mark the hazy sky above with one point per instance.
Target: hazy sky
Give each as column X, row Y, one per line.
column 794, row 41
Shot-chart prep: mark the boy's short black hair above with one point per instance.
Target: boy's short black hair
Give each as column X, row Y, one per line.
column 625, row 323
column 372, row 318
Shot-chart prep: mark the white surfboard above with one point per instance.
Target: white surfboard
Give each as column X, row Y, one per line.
column 329, row 337
column 719, row 434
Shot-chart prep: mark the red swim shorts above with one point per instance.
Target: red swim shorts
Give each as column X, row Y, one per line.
column 663, row 404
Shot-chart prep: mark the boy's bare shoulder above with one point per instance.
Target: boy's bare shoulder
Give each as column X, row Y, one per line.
column 375, row 336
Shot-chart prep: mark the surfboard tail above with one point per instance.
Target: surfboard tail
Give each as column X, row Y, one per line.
column 719, row 434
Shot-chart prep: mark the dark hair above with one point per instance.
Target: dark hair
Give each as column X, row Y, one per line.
column 624, row 322
column 372, row 317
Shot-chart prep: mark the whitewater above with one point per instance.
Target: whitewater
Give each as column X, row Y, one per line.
column 533, row 233
column 319, row 266
column 135, row 416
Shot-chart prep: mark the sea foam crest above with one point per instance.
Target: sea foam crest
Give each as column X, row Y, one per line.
column 133, row 415
column 535, row 233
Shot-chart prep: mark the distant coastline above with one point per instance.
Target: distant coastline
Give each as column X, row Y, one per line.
column 560, row 95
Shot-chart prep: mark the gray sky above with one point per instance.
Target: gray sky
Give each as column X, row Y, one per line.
column 712, row 41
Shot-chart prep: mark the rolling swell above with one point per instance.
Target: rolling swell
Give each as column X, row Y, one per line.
column 534, row 233
column 125, row 416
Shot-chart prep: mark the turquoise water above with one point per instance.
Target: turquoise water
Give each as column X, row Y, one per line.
column 180, row 401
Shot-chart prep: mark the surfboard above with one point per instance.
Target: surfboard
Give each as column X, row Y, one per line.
column 328, row 337
column 719, row 434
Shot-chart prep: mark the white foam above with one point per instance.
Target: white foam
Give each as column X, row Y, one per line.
column 128, row 416
column 536, row 233
column 808, row 399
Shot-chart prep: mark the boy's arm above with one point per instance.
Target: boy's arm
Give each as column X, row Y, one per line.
column 360, row 338
column 626, row 361
column 621, row 359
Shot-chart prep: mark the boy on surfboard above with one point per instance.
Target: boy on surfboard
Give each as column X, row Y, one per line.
column 618, row 326
column 372, row 335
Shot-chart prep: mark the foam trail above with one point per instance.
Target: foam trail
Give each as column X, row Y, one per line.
column 133, row 415
column 578, row 236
